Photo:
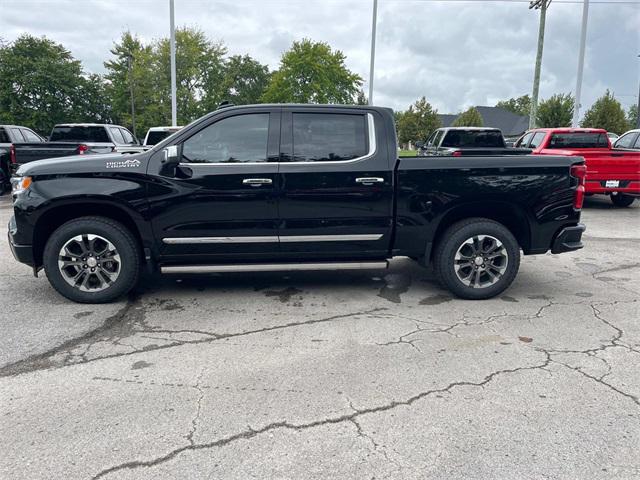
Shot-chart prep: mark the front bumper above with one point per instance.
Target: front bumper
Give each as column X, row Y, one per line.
column 22, row 253
column 569, row 239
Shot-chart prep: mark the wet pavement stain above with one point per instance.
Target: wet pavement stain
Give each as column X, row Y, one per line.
column 283, row 295
column 509, row 299
column 539, row 297
column 436, row 299
column 82, row 314
column 525, row 339
column 140, row 364
column 395, row 285
column 584, row 294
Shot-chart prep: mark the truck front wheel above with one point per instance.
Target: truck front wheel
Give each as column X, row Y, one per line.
column 92, row 260
column 476, row 258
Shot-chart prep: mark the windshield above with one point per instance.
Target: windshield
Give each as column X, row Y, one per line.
column 79, row 134
column 474, row 139
column 579, row 140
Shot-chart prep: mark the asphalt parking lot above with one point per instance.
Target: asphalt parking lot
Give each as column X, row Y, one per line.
column 331, row 375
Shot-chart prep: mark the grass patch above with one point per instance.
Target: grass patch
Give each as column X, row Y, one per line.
column 408, row 153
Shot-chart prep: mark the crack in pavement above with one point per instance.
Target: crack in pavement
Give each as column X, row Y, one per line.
column 251, row 433
column 195, row 419
column 116, row 323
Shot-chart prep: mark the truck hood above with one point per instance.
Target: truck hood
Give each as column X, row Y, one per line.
column 90, row 163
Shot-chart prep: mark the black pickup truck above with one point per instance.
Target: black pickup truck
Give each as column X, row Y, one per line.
column 77, row 139
column 290, row 187
column 467, row 141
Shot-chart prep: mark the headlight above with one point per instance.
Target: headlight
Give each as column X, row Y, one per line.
column 20, row 184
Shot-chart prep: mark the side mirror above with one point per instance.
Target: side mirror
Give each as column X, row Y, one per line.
column 419, row 144
column 171, row 155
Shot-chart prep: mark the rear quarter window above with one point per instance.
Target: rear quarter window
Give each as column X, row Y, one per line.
column 4, row 137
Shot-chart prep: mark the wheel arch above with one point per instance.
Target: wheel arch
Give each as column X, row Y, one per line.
column 60, row 213
column 510, row 215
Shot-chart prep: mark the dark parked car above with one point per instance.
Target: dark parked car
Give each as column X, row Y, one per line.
column 466, row 141
column 290, row 187
column 10, row 134
column 78, row 139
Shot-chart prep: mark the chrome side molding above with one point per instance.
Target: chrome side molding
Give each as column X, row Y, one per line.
column 274, row 267
column 274, row 239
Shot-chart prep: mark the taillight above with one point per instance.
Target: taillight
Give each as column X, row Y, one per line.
column 579, row 172
column 457, row 153
column 12, row 154
column 82, row 149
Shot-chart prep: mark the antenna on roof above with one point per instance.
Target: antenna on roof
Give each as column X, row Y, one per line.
column 225, row 104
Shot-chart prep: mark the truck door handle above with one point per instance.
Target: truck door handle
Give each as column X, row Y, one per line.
column 369, row 180
column 256, row 182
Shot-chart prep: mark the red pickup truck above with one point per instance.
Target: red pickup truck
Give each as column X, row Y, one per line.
column 610, row 171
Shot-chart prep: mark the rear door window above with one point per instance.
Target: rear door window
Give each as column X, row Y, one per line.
column 117, row 136
column 17, row 135
column 328, row 137
column 30, row 136
column 128, row 138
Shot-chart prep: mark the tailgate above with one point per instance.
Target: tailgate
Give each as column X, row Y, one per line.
column 612, row 164
column 29, row 152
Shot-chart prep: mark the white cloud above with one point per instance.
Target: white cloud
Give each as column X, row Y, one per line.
column 456, row 54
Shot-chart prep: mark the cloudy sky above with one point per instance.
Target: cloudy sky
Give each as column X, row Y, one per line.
column 456, row 53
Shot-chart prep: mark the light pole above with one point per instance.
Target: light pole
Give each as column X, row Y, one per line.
column 172, row 42
column 583, row 41
column 373, row 49
column 638, row 111
column 542, row 5
column 133, row 105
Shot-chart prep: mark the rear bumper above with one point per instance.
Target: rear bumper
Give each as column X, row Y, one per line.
column 22, row 253
column 628, row 187
column 569, row 239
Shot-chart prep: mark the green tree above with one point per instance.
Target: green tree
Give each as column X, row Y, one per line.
column 632, row 117
column 469, row 118
column 556, row 111
column 199, row 74
column 310, row 72
column 606, row 113
column 244, row 80
column 417, row 123
column 520, row 105
column 133, row 68
column 41, row 84
column 94, row 104
column 362, row 99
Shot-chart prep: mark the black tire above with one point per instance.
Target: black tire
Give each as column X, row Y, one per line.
column 120, row 238
column 453, row 239
column 622, row 200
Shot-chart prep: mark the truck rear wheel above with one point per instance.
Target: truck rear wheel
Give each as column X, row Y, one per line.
column 477, row 258
column 622, row 200
column 92, row 260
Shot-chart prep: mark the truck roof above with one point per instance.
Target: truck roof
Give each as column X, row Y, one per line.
column 479, row 129
column 87, row 125
column 569, row 130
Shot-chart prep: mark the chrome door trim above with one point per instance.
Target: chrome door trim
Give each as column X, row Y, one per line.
column 274, row 239
column 369, row 180
column 329, row 238
column 201, row 240
column 274, row 267
column 256, row 182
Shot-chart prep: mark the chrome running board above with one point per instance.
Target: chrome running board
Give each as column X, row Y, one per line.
column 274, row 267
